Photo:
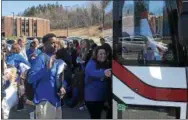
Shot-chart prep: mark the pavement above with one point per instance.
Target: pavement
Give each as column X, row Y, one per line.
column 75, row 113
column 147, row 113
column 68, row 113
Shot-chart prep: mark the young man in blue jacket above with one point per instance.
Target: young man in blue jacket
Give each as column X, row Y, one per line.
column 43, row 76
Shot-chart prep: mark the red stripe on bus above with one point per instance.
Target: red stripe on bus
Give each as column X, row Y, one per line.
column 148, row 91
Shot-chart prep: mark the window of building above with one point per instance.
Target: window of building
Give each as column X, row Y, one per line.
column 23, row 27
column 23, row 31
column 35, row 34
column 2, row 25
column 27, row 22
column 14, row 27
column 35, row 23
column 34, row 28
column 2, row 21
column 23, row 22
column 27, row 33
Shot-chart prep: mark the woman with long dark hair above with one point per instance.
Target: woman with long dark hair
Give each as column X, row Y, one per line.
column 96, row 86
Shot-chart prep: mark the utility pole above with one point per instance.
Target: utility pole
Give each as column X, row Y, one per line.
column 13, row 24
column 103, row 16
column 67, row 20
column 102, row 2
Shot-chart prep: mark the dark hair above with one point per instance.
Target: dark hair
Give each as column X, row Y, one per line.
column 170, row 46
column 108, row 49
column 47, row 36
column 22, row 38
column 32, row 44
column 93, row 46
column 100, row 65
column 19, row 39
column 91, row 41
column 96, row 50
column 102, row 39
column 87, row 42
column 76, row 43
column 62, row 54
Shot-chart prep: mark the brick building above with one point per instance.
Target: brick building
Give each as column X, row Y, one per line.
column 24, row 26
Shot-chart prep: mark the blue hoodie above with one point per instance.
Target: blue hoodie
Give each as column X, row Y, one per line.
column 44, row 81
column 95, row 86
column 15, row 59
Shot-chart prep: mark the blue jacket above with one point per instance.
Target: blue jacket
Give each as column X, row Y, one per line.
column 95, row 86
column 15, row 59
column 29, row 52
column 44, row 81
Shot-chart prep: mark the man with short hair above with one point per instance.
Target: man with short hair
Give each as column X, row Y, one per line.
column 102, row 41
column 22, row 42
column 42, row 76
column 36, row 41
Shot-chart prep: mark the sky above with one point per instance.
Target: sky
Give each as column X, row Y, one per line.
column 19, row 6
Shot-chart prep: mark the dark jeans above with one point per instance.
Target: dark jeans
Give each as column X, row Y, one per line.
column 95, row 108
column 68, row 75
column 109, row 111
column 20, row 103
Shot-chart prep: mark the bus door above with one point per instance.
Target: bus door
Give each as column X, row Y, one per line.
column 149, row 63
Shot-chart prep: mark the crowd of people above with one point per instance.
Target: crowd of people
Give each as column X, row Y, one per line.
column 57, row 74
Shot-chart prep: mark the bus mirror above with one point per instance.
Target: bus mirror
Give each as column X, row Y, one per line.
column 183, row 25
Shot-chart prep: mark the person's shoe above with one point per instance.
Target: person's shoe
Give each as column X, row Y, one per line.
column 82, row 108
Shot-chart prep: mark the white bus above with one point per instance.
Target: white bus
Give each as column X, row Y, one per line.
column 148, row 73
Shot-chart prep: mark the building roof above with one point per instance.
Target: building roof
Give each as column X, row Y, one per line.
column 22, row 17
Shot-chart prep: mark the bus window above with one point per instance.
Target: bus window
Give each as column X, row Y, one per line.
column 146, row 24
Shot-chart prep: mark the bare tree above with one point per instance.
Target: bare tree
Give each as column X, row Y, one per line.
column 79, row 16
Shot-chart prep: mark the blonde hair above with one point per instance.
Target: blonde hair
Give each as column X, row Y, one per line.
column 12, row 74
column 61, row 43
